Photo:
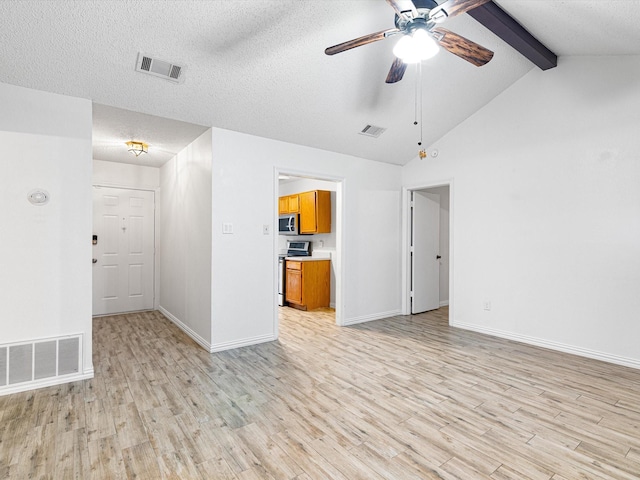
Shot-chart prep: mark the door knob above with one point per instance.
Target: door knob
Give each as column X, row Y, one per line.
column 94, row 260
column 438, row 257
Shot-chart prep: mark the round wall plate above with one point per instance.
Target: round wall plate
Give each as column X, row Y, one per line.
column 38, row 197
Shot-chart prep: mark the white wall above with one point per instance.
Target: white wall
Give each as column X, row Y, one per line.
column 185, row 239
column 114, row 174
column 244, row 268
column 546, row 209
column 45, row 277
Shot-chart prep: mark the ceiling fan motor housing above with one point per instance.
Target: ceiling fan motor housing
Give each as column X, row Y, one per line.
column 423, row 7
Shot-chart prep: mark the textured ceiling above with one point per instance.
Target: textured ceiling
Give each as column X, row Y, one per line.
column 258, row 66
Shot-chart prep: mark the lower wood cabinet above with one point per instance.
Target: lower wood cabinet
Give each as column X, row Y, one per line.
column 308, row 284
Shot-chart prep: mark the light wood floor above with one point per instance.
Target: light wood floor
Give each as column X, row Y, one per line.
column 402, row 398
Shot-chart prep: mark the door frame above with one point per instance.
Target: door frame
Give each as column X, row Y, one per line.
column 338, row 223
column 406, row 243
column 156, row 234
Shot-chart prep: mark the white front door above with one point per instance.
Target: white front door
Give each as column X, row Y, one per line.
column 123, row 250
column 425, row 242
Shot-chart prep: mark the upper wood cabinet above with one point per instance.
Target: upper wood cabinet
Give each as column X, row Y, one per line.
column 288, row 204
column 315, row 212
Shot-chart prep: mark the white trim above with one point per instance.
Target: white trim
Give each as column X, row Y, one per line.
column 370, row 318
column 557, row 346
column 186, row 329
column 124, row 187
column 245, row 342
column 46, row 382
column 444, row 303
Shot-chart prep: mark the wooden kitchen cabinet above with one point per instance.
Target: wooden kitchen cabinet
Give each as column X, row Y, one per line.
column 288, row 204
column 308, row 284
column 315, row 212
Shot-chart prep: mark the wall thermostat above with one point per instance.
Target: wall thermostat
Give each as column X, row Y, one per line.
column 38, row 197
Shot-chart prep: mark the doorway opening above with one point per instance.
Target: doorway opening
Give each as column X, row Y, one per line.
column 427, row 252
column 325, row 248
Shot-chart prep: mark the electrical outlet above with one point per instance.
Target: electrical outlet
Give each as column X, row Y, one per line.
column 486, row 305
column 266, row 229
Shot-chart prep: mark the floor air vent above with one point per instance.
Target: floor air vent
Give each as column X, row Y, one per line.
column 160, row 68
column 372, row 131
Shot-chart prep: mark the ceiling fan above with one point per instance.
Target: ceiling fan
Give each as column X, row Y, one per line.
column 416, row 23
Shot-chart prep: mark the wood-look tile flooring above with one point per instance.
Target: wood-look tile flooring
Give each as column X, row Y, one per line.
column 401, row 398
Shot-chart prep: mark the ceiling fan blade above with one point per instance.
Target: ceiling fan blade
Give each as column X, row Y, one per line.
column 396, row 72
column 396, row 6
column 357, row 42
column 451, row 8
column 462, row 47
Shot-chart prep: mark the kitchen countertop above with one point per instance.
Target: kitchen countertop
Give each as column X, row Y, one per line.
column 307, row 259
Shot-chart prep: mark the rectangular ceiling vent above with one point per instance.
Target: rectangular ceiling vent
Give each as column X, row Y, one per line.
column 372, row 131
column 160, row 68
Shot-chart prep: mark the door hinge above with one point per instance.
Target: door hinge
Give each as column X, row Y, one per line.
column 411, row 294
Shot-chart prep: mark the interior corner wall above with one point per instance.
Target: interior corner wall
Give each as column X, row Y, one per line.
column 185, row 240
column 546, row 209
column 244, row 263
column 45, row 278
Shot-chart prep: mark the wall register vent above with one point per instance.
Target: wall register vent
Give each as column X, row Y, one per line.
column 39, row 360
column 160, row 68
column 372, row 131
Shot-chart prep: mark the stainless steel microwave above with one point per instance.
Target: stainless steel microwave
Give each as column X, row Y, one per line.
column 288, row 224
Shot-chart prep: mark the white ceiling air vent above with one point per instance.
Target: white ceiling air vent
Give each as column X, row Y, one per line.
column 372, row 131
column 160, row 68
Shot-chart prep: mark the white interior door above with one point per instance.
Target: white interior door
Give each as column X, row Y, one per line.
column 123, row 250
column 425, row 242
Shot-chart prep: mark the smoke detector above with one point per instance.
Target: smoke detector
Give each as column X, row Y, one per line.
column 160, row 68
column 38, row 197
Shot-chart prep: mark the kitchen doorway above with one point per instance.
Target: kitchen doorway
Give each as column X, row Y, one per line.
column 322, row 246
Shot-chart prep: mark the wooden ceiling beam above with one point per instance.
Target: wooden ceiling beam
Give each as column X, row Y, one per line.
column 508, row 29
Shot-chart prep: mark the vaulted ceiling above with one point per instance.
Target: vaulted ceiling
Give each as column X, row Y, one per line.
column 258, row 66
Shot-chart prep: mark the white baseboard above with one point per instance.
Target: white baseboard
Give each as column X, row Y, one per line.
column 561, row 347
column 47, row 382
column 444, row 303
column 245, row 342
column 215, row 347
column 186, row 329
column 370, row 318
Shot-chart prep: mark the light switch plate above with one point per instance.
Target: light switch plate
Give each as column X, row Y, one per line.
column 227, row 228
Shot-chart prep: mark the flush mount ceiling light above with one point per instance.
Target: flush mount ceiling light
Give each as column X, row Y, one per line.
column 137, row 148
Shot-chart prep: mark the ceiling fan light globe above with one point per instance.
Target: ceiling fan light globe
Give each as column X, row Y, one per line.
column 424, row 44
column 404, row 49
column 416, row 47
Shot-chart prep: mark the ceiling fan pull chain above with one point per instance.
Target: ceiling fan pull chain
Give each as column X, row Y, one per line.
column 419, row 94
column 415, row 113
